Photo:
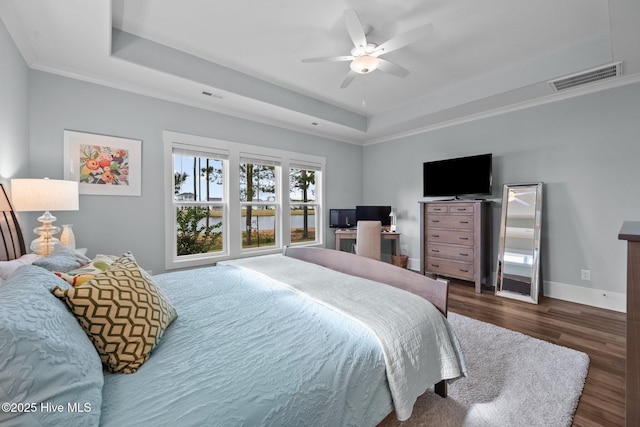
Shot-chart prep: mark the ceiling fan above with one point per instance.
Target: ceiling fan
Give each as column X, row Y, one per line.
column 365, row 56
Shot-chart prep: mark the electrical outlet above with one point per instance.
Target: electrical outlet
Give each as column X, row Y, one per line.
column 585, row 274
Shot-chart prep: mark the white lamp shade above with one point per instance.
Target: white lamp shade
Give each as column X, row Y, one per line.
column 44, row 195
column 364, row 64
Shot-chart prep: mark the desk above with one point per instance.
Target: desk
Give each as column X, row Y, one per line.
column 350, row 233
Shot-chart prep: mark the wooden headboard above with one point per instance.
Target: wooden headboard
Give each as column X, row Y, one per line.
column 12, row 244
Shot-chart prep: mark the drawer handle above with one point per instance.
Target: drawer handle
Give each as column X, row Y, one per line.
column 435, row 220
column 435, row 250
column 464, row 222
column 461, row 254
column 435, row 235
column 463, row 270
column 462, row 209
column 464, row 238
column 435, row 265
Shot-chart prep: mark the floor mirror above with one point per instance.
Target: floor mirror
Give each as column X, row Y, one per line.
column 519, row 250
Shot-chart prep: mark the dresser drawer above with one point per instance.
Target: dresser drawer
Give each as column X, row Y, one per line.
column 461, row 208
column 460, row 253
column 462, row 222
column 458, row 237
column 462, row 270
column 438, row 209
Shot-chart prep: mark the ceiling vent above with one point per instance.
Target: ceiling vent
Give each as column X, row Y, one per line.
column 587, row 77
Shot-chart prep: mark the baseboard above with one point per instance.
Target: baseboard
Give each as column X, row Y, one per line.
column 580, row 295
column 593, row 297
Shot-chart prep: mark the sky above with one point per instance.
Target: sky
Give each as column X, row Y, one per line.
column 184, row 163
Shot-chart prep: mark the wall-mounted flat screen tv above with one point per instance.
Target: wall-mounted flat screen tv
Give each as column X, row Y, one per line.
column 374, row 213
column 461, row 176
column 342, row 218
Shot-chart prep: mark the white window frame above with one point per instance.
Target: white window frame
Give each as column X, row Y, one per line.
column 232, row 206
column 252, row 158
column 319, row 169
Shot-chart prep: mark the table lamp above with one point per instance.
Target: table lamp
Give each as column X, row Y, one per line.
column 392, row 215
column 46, row 195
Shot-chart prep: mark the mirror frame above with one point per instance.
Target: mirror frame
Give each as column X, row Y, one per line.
column 535, row 268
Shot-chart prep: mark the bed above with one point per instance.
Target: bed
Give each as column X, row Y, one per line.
column 253, row 343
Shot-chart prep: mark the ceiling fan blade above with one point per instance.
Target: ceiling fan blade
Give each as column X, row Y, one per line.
column 351, row 75
column 355, row 28
column 329, row 59
column 403, row 39
column 391, row 68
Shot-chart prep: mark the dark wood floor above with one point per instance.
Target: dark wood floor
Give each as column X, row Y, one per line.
column 597, row 332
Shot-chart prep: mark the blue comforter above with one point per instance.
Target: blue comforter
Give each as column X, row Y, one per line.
column 246, row 352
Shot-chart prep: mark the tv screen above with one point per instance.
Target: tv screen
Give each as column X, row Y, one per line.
column 374, row 213
column 458, row 177
column 342, row 218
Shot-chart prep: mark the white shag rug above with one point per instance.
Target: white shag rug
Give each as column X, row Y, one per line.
column 513, row 380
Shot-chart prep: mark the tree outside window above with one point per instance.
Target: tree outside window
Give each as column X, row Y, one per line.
column 258, row 201
column 302, row 195
column 198, row 199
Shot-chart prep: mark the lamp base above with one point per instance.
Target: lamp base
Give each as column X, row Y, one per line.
column 46, row 241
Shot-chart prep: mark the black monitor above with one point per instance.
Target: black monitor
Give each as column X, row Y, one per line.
column 374, row 213
column 342, row 218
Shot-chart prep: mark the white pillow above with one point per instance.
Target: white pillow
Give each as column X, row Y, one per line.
column 8, row 267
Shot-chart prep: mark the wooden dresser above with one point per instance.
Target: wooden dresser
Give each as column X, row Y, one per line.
column 630, row 231
column 455, row 239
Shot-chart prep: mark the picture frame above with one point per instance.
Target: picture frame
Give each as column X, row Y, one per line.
column 102, row 164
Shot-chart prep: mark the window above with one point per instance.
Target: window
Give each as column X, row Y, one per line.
column 259, row 201
column 198, row 201
column 225, row 200
column 303, row 206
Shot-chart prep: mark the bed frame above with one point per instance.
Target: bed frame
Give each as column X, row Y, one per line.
column 434, row 291
column 12, row 245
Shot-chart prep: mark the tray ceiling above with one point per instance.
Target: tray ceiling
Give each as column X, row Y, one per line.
column 245, row 58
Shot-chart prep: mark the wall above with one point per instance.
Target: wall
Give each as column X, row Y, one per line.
column 112, row 224
column 584, row 149
column 14, row 110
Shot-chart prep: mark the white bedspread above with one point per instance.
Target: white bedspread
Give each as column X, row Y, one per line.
column 419, row 346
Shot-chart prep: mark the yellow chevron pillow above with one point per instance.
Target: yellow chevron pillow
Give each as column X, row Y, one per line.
column 123, row 312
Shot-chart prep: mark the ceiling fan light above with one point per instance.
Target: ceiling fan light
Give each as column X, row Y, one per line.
column 364, row 64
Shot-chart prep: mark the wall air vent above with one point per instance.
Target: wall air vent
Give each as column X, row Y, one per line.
column 587, row 77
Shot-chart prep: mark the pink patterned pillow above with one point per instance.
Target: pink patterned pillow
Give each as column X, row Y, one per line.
column 83, row 274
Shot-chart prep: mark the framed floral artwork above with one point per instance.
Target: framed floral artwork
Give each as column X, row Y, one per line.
column 102, row 164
